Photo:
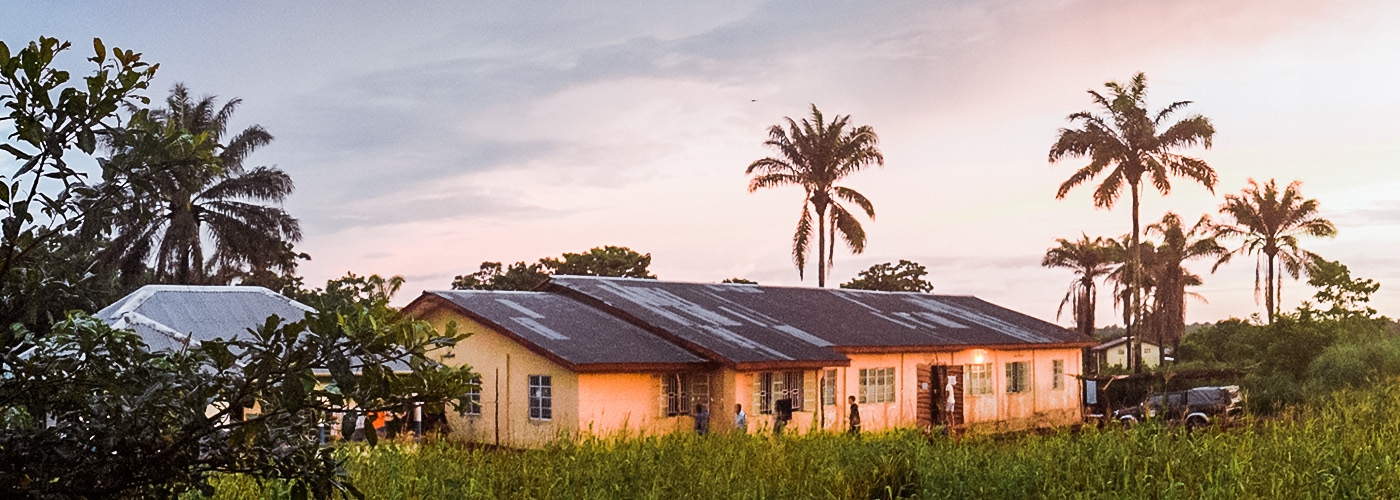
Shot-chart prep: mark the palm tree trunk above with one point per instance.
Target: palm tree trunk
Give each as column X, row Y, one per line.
column 1135, row 348
column 821, row 246
column 1269, row 289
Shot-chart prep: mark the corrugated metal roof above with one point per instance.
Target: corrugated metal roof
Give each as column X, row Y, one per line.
column 765, row 324
column 176, row 316
column 566, row 329
column 172, row 316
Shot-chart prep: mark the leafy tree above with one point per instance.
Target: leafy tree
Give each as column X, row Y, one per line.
column 1171, row 277
column 740, row 281
column 906, row 276
column 352, row 292
column 816, row 155
column 90, row 412
column 1126, row 142
column 51, row 217
column 613, row 261
column 1344, row 296
column 1090, row 260
column 189, row 182
column 617, row 262
column 1269, row 222
column 493, row 276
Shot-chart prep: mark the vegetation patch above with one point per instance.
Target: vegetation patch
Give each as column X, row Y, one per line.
column 1341, row 445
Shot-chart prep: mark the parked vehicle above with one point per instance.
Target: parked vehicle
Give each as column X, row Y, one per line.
column 1194, row 407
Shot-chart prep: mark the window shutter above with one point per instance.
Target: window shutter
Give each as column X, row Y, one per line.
column 809, row 390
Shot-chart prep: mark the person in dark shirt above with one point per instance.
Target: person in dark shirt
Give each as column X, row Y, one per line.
column 855, row 417
column 702, row 420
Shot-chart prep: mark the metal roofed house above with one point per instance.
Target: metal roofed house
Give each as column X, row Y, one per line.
column 910, row 359
column 550, row 365
column 177, row 316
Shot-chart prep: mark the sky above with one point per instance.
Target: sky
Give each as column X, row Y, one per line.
column 425, row 138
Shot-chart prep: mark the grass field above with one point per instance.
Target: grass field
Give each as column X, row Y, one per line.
column 1346, row 445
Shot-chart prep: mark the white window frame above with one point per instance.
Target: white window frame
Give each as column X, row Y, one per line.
column 877, row 385
column 979, row 379
column 541, row 397
column 473, row 397
column 1057, row 377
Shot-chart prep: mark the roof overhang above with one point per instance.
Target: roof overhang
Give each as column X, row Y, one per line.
column 896, row 349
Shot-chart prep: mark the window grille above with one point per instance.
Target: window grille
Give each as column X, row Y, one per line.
column 1057, row 380
column 473, row 396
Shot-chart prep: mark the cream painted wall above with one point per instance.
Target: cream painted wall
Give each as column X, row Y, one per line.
column 1117, row 356
column 505, row 367
column 631, row 403
column 1042, row 406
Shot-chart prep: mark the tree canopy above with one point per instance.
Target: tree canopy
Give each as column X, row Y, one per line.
column 611, row 261
column 815, row 155
column 1269, row 222
column 52, row 217
column 905, row 276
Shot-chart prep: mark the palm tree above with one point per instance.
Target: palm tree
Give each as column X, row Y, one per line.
column 1126, row 140
column 1270, row 223
column 187, row 183
column 1090, row 260
column 816, row 155
column 1171, row 277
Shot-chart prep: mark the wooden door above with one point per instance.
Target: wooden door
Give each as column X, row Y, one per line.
column 924, row 389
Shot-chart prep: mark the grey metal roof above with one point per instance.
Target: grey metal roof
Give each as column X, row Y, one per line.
column 174, row 316
column 565, row 329
column 765, row 324
column 169, row 317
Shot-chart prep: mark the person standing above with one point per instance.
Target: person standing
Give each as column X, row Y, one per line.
column 741, row 421
column 702, row 420
column 855, row 417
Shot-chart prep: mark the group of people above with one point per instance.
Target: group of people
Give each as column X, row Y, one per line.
column 741, row 419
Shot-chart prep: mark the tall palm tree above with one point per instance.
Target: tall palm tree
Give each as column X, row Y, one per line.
column 1270, row 222
column 1126, row 142
column 1171, row 277
column 188, row 184
column 817, row 154
column 1090, row 260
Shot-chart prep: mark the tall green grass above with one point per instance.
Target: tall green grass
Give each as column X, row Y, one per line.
column 1346, row 445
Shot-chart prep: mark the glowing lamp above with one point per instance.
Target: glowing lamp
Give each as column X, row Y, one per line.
column 978, row 355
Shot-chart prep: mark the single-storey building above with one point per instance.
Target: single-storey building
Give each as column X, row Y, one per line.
column 612, row 355
column 1114, row 354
